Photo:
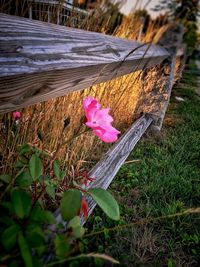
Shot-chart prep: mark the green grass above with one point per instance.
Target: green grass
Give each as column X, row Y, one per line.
column 166, row 180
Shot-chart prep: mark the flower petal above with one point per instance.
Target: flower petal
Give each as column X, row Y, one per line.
column 107, row 137
column 99, row 120
column 90, row 102
column 103, row 116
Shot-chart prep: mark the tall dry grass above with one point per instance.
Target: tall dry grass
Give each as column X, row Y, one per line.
column 42, row 125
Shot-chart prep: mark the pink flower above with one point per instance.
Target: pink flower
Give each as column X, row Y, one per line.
column 90, row 102
column 99, row 120
column 16, row 115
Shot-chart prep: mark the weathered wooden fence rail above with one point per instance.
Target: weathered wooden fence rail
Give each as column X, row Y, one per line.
column 40, row 61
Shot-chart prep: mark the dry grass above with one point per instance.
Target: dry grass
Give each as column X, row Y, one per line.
column 42, row 124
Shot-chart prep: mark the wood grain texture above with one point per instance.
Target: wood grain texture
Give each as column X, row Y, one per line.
column 181, row 57
column 157, row 82
column 40, row 61
column 171, row 40
column 105, row 170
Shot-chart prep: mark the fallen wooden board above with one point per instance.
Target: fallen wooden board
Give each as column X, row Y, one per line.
column 106, row 169
column 40, row 61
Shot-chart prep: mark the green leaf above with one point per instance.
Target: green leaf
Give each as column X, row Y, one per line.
column 50, row 189
column 5, row 178
column 35, row 236
column 37, row 214
column 39, row 152
column 75, row 222
column 62, row 175
column 62, row 246
column 24, row 149
column 57, row 171
column 171, row 263
column 41, row 216
column 24, row 179
column 70, row 204
column 21, row 202
column 25, row 251
column 23, row 159
column 18, row 164
column 49, row 217
column 9, row 237
column 106, row 202
column 35, row 167
column 56, row 168
column 77, row 230
column 35, row 229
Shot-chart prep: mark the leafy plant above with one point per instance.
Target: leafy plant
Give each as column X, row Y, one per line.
column 27, row 223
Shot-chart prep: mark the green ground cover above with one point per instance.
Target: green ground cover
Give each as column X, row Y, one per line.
column 164, row 180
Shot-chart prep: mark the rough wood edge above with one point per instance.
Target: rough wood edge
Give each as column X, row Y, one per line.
column 158, row 125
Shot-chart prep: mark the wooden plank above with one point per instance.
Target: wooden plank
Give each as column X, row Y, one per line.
column 172, row 40
column 156, row 85
column 157, row 82
column 181, row 57
column 40, row 61
column 105, row 170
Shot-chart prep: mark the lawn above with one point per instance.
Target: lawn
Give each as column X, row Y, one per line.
column 160, row 178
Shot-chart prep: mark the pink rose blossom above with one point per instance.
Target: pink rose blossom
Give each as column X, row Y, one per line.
column 99, row 120
column 16, row 115
column 90, row 102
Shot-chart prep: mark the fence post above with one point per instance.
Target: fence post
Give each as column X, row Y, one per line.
column 157, row 82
